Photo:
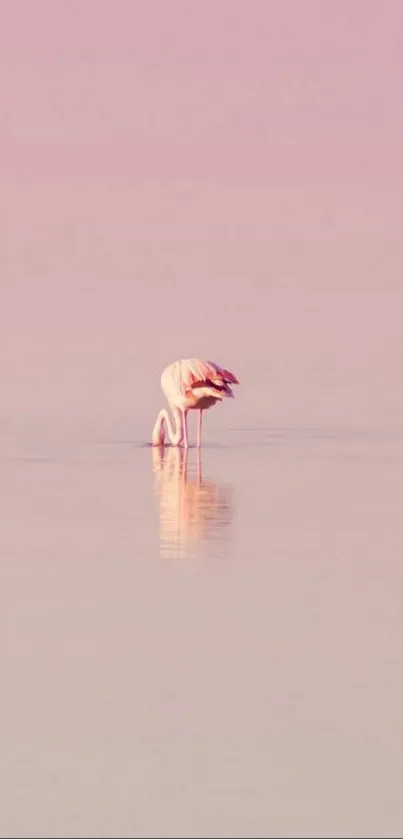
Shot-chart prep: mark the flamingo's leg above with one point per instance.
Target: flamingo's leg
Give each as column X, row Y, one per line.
column 199, row 429
column 185, row 429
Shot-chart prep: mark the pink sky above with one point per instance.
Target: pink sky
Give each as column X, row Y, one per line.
column 166, row 162
column 231, row 90
column 271, row 118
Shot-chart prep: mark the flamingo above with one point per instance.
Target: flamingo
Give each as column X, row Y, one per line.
column 190, row 385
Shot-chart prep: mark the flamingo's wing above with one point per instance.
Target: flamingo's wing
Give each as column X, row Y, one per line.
column 225, row 375
column 198, row 374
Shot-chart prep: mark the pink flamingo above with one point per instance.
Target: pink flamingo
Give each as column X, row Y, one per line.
column 190, row 384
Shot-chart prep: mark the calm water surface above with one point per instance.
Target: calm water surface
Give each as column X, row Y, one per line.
column 203, row 645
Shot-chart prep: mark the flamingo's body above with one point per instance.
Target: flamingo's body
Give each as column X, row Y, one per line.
column 190, row 385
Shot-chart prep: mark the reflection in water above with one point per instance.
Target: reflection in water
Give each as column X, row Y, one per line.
column 191, row 509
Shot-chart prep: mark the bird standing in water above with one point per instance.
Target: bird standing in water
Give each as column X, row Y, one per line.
column 190, row 385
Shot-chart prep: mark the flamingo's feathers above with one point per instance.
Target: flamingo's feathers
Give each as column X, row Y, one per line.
column 192, row 383
column 196, row 373
column 226, row 375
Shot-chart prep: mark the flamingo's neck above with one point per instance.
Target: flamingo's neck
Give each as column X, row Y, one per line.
column 164, row 428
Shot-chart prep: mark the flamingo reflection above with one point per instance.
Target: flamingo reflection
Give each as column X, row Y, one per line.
column 191, row 509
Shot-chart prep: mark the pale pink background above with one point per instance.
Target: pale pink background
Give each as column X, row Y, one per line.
column 218, row 178
column 221, row 179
